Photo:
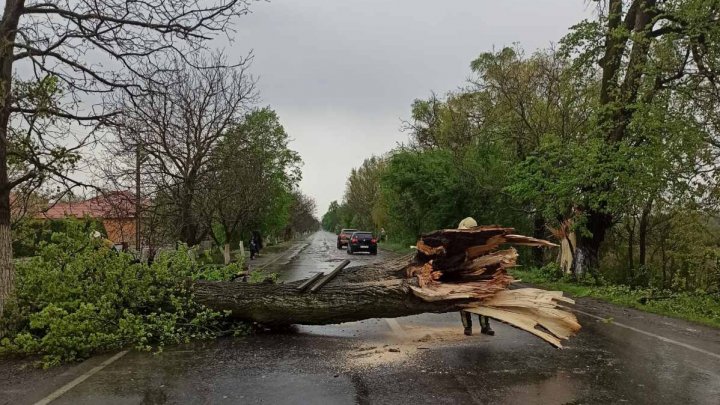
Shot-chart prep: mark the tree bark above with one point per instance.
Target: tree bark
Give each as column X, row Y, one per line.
column 643, row 231
column 539, row 231
column 189, row 226
column 8, row 29
column 631, row 243
column 7, row 269
column 226, row 253
column 355, row 294
column 587, row 251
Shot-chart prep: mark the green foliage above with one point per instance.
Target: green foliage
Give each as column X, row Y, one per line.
column 332, row 219
column 79, row 297
column 434, row 189
column 29, row 233
column 253, row 177
column 699, row 306
column 259, row 276
column 302, row 215
column 362, row 194
column 38, row 154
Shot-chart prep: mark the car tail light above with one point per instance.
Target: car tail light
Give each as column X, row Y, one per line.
column 373, row 241
column 354, row 240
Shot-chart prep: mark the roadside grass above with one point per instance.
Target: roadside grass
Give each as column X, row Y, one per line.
column 699, row 307
column 396, row 247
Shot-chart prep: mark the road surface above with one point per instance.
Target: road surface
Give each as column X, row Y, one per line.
column 620, row 356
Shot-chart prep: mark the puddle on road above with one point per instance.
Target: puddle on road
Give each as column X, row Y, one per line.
column 561, row 388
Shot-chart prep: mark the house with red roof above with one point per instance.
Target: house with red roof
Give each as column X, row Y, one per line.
column 116, row 211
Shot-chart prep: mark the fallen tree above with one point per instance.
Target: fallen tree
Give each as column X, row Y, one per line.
column 452, row 270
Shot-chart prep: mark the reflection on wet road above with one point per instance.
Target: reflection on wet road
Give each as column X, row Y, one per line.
column 323, row 255
column 422, row 359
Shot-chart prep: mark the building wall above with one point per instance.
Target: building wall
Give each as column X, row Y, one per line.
column 120, row 230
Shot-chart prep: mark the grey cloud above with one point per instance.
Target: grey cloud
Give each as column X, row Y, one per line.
column 341, row 73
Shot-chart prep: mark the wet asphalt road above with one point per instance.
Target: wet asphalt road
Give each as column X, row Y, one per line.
column 620, row 356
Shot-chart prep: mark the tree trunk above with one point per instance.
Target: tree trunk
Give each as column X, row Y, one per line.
column 587, row 251
column 631, row 243
column 453, row 270
column 664, row 261
column 642, row 232
column 7, row 269
column 188, row 227
column 618, row 95
column 226, row 253
column 539, row 231
column 355, row 294
column 8, row 30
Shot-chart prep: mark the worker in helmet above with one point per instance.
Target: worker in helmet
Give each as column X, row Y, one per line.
column 466, row 317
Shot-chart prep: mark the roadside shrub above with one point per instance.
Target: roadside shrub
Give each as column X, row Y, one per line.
column 29, row 233
column 78, row 297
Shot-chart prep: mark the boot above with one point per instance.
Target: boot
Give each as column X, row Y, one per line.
column 467, row 322
column 485, row 328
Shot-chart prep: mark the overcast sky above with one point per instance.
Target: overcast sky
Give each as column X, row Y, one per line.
column 342, row 73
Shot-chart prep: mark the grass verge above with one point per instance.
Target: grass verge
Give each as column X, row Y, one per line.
column 699, row 307
column 396, row 247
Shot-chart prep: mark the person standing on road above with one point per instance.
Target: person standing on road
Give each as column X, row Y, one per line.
column 485, row 329
column 466, row 317
column 258, row 241
column 383, row 235
column 254, row 247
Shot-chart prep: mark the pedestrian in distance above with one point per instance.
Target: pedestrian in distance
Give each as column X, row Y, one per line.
column 258, row 240
column 254, row 247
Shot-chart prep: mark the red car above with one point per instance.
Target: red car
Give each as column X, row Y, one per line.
column 344, row 237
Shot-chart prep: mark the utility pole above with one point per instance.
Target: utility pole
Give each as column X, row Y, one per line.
column 138, row 203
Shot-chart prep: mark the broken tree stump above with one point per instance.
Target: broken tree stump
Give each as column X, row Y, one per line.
column 452, row 270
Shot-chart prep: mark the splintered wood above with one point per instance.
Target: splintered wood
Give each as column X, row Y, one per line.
column 464, row 264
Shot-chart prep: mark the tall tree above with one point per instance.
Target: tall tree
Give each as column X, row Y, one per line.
column 331, row 219
column 642, row 50
column 61, row 43
column 252, row 167
column 362, row 191
column 302, row 215
column 178, row 125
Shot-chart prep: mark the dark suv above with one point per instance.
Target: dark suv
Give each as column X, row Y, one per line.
column 344, row 237
column 362, row 242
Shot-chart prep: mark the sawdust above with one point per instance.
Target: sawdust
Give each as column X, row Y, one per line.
column 403, row 349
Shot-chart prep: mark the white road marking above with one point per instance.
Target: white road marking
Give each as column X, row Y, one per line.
column 72, row 384
column 662, row 338
column 396, row 328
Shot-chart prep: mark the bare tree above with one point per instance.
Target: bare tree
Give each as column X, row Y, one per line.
column 177, row 124
column 59, row 60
